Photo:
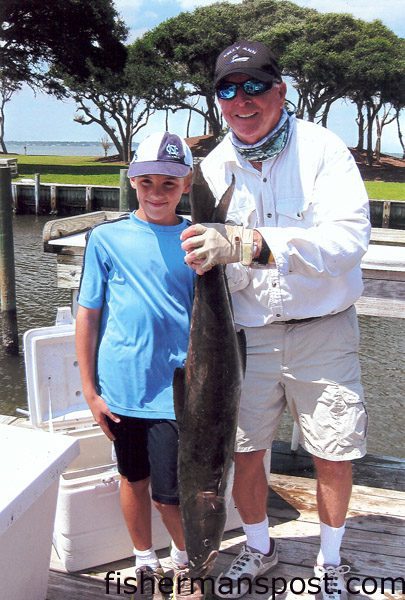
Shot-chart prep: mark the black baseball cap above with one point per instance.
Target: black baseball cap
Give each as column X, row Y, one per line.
column 250, row 58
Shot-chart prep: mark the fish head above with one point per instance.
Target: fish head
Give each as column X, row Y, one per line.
column 205, row 514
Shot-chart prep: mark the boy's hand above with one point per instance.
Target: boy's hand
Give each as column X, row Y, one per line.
column 100, row 411
column 210, row 244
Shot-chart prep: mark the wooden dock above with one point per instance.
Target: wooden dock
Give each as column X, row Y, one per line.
column 373, row 545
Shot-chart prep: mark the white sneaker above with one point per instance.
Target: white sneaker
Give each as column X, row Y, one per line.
column 248, row 565
column 332, row 582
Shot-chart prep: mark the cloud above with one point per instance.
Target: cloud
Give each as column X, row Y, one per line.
column 124, row 5
column 191, row 4
column 390, row 12
column 134, row 34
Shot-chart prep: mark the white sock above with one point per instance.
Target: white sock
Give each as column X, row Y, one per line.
column 257, row 536
column 331, row 540
column 147, row 558
column 179, row 557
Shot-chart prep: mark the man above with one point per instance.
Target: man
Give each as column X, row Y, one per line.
column 294, row 270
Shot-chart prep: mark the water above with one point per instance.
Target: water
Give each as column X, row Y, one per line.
column 37, row 299
column 34, row 148
column 382, row 346
column 57, row 148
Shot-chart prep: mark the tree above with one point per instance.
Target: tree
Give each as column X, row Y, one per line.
column 400, row 136
column 74, row 34
column 261, row 16
column 316, row 52
column 110, row 99
column 176, row 60
column 38, row 39
column 387, row 117
column 376, row 73
column 121, row 114
column 174, row 63
column 7, row 89
column 105, row 144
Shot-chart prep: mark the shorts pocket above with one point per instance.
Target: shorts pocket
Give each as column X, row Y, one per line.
column 348, row 328
column 340, row 421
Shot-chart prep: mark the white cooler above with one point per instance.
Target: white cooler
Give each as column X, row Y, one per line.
column 89, row 526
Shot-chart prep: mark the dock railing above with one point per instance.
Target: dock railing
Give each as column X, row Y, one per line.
column 71, row 199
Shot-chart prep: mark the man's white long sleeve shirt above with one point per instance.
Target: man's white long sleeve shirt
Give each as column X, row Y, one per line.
column 310, row 205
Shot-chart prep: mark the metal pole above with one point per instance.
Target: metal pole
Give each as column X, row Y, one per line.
column 128, row 198
column 7, row 268
column 37, row 192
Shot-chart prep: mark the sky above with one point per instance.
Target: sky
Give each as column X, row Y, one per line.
column 41, row 117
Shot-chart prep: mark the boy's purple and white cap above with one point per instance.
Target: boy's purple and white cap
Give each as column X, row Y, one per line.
column 162, row 154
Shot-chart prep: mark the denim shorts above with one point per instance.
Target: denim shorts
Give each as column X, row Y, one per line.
column 148, row 448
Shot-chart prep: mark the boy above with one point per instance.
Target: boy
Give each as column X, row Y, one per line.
column 132, row 330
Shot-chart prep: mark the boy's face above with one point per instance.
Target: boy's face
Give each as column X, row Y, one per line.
column 158, row 197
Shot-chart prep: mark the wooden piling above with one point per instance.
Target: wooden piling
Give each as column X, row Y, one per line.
column 54, row 200
column 89, row 198
column 37, row 192
column 7, row 267
column 128, row 197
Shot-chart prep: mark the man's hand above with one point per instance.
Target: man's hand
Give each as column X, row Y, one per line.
column 209, row 244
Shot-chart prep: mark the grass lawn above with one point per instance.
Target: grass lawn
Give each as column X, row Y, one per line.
column 69, row 169
column 385, row 190
column 92, row 171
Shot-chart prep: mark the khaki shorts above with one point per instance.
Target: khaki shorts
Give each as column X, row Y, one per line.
column 313, row 368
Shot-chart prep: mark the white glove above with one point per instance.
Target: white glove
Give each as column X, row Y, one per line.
column 221, row 244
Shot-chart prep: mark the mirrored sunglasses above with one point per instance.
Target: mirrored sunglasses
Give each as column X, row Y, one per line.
column 252, row 87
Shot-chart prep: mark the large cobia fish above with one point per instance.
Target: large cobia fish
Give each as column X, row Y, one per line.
column 206, row 400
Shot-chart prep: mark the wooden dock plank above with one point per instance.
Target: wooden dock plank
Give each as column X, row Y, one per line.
column 355, row 539
column 381, row 307
column 358, row 490
column 7, row 419
column 300, row 493
column 375, row 523
column 63, row 586
column 387, row 237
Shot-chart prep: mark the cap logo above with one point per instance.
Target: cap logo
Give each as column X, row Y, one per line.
column 173, row 150
column 250, row 58
column 238, row 58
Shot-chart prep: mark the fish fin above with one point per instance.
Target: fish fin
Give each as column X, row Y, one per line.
column 221, row 210
column 202, row 200
column 179, row 392
column 242, row 348
column 203, row 569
